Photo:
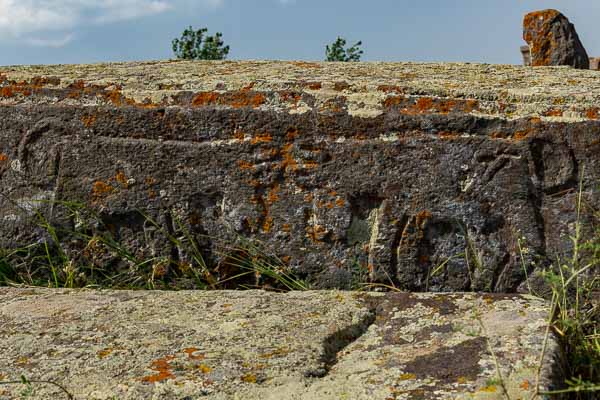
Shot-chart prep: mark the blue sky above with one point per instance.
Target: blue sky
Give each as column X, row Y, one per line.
column 82, row 31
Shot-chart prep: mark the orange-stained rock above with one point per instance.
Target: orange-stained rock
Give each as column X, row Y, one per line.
column 553, row 40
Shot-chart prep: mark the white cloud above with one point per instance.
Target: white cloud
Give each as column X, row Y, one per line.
column 31, row 20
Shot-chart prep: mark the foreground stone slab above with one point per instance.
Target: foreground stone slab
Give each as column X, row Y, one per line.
column 261, row 345
column 387, row 168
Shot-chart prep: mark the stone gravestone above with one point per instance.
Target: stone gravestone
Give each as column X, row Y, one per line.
column 553, row 40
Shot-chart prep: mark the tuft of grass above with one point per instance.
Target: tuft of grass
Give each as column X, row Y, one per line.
column 98, row 258
column 575, row 312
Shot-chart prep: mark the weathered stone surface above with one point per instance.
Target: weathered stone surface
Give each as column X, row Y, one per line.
column 392, row 167
column 260, row 345
column 526, row 54
column 553, row 40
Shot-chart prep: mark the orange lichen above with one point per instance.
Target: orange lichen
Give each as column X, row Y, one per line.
column 239, row 135
column 555, row 112
column 163, row 369
column 489, row 389
column 245, row 165
column 424, row 105
column 291, row 134
column 242, row 98
column 290, row 97
column 592, row 113
column 3, row 158
column 204, row 99
column 249, row 378
column 286, row 228
column 190, row 352
column 393, row 101
column 289, row 163
column 539, row 35
column 406, row 377
column 340, row 202
column 422, row 217
column 122, row 179
column 6, row 92
column 280, row 352
column 316, row 233
column 520, row 135
column 272, row 195
column 267, row 224
column 88, row 120
column 205, row 369
column 448, row 135
column 264, row 138
column 100, row 189
column 104, row 353
column 310, row 164
column 315, row 85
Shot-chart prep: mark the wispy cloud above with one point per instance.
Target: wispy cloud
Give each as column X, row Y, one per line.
column 31, row 20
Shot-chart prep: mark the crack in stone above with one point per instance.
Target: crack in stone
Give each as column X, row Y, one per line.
column 338, row 341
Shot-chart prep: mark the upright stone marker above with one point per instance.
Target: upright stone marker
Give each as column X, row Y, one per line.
column 553, row 40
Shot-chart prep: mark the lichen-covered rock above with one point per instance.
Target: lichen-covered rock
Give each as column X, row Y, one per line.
column 553, row 40
column 105, row 345
column 425, row 176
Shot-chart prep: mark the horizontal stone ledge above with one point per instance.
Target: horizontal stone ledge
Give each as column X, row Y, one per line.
column 363, row 90
column 265, row 345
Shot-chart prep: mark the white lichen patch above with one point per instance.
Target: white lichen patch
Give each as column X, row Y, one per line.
column 261, row 345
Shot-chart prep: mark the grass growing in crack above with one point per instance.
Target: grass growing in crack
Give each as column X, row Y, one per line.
column 244, row 264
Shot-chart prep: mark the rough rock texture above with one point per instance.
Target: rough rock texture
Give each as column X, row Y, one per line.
column 526, row 54
column 258, row 345
column 553, row 40
column 394, row 168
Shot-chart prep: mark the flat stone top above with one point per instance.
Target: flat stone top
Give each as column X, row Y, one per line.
column 264, row 345
column 368, row 89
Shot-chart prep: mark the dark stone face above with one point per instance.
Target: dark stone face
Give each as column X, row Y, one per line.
column 424, row 210
column 427, row 193
column 553, row 40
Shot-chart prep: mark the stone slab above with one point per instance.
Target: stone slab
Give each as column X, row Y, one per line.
column 389, row 169
column 265, row 345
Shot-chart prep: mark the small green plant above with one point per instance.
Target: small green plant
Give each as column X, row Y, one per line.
column 338, row 52
column 196, row 45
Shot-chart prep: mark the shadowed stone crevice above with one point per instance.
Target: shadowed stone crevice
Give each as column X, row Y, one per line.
column 338, row 341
